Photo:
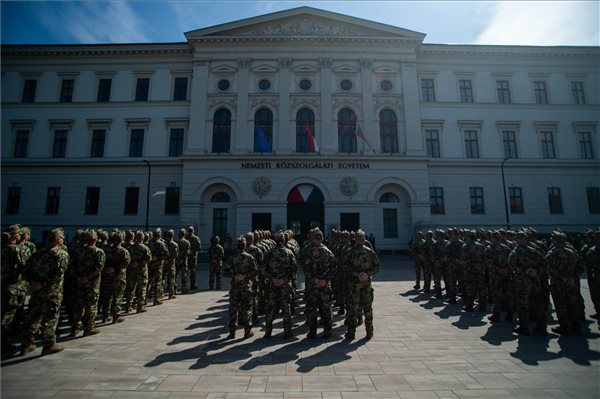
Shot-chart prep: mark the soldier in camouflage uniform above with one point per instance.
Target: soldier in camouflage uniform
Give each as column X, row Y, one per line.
column 242, row 270
column 440, row 262
column 590, row 256
column 195, row 246
column 182, row 261
column 215, row 256
column 14, row 287
column 169, row 266
column 340, row 280
column 561, row 263
column 524, row 262
column 416, row 249
column 256, row 287
column 87, row 291
column 454, row 269
column 114, row 277
column 160, row 252
column 361, row 264
column 474, row 271
column 319, row 268
column 137, row 273
column 292, row 245
column 500, row 281
column 45, row 272
column 428, row 257
column 280, row 264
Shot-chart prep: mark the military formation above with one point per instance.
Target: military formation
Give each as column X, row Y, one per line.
column 337, row 272
column 516, row 273
column 97, row 273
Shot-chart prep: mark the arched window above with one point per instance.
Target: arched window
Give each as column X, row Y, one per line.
column 221, row 131
column 346, row 130
column 389, row 197
column 305, row 131
column 263, row 130
column 220, row 197
column 388, row 130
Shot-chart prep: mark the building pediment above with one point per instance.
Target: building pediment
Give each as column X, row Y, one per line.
column 223, row 68
column 303, row 22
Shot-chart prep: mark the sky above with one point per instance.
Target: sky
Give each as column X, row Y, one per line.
column 546, row 23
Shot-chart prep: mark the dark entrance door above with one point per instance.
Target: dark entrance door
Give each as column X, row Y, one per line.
column 305, row 210
column 261, row 221
column 350, row 221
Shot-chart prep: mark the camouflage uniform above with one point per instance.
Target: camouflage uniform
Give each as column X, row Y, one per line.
column 416, row 249
column 242, row 270
column 182, row 262
column 472, row 254
column 454, row 268
column 192, row 264
column 280, row 264
column 160, row 252
column 428, row 259
column 215, row 255
column 45, row 271
column 359, row 259
column 590, row 257
column 319, row 268
column 257, row 286
column 137, row 274
column 439, row 250
column 169, row 267
column 14, row 287
column 113, row 281
column 500, row 281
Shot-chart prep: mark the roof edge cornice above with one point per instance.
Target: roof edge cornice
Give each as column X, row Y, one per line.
column 507, row 51
column 97, row 49
column 305, row 39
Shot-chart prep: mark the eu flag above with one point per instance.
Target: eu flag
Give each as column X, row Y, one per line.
column 262, row 144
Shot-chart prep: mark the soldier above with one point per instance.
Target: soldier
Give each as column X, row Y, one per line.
column 561, row 263
column 256, row 287
column 280, row 263
column 169, row 266
column 319, row 268
column 160, row 252
column 14, row 287
column 87, row 291
column 215, row 254
column 45, row 272
column 114, row 277
column 292, row 245
column 439, row 249
column 590, row 256
column 500, row 282
column 428, row 256
column 339, row 281
column 361, row 265
column 195, row 245
column 524, row 262
column 454, row 268
column 416, row 249
column 137, row 273
column 242, row 270
column 182, row 261
column 474, row 271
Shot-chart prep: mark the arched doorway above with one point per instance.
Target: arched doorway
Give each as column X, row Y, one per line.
column 305, row 209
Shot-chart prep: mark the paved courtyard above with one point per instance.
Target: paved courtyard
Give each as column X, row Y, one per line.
column 423, row 348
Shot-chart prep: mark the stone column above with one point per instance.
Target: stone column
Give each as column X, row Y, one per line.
column 369, row 126
column 284, row 134
column 196, row 143
column 327, row 135
column 412, row 110
column 243, row 137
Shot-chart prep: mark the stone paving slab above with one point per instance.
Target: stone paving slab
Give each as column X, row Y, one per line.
column 422, row 349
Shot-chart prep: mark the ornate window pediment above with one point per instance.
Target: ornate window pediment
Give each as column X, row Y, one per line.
column 345, row 68
column 385, row 70
column 264, row 68
column 305, row 68
column 223, row 68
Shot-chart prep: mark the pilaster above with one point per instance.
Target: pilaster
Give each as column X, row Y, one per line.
column 369, row 127
column 412, row 110
column 285, row 134
column 197, row 134
column 328, row 134
column 241, row 141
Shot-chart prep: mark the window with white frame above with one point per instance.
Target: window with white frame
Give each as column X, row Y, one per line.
column 577, row 93
column 436, row 198
column 427, row 90
column 29, row 89
column 66, row 90
column 515, row 195
column 554, row 200
column 471, row 143
column 59, row 148
column 503, row 90
column 585, row 133
column 509, row 131
column 476, row 196
column 21, row 143
column 432, row 143
column 539, row 92
column 180, row 88
column 546, row 133
column 465, row 87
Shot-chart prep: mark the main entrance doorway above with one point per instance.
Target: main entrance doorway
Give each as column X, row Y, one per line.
column 305, row 210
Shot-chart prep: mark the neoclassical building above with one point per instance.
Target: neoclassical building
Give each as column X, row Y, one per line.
column 295, row 119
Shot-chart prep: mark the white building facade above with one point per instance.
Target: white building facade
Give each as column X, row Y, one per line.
column 300, row 118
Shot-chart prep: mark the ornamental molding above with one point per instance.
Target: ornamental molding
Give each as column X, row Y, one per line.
column 285, row 62
column 244, row 62
column 215, row 101
column 256, row 101
column 310, row 40
column 349, row 186
column 381, row 102
column 95, row 50
column 339, row 101
column 408, row 64
column 507, row 51
column 261, row 186
column 314, row 101
column 307, row 27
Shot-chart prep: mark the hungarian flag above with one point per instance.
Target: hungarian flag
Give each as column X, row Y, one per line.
column 360, row 133
column 312, row 142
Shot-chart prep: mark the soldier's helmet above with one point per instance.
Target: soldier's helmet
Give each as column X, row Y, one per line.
column 190, row 229
column 55, row 234
column 25, row 230
column 440, row 233
column 157, row 232
column 317, row 234
column 117, row 236
column 14, row 229
column 215, row 239
column 279, row 237
column 559, row 236
column 429, row 233
column 241, row 242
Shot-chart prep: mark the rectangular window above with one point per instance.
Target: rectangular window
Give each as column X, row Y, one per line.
column 92, row 200
column 539, row 91
column 585, row 145
column 477, row 206
column 554, row 200
column 60, row 144
column 593, row 197
column 466, row 91
column 172, row 201
column 436, row 197
column 220, row 221
column 432, row 143
column 509, row 141
column 427, row 90
column 13, row 202
column 180, row 89
column 547, row 145
column 66, row 90
column 141, row 89
column 104, row 90
column 515, row 195
column 52, row 200
column 29, row 90
column 176, row 142
column 132, row 196
column 136, row 145
column 21, row 143
column 390, row 223
column 577, row 92
column 98, row 139
column 503, row 91
column 471, row 144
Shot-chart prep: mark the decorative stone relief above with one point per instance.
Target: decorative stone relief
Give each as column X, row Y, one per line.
column 261, row 186
column 339, row 101
column 305, row 26
column 381, row 102
column 314, row 101
column 216, row 101
column 349, row 186
column 260, row 100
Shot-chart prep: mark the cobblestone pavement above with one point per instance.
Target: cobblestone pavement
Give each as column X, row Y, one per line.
column 423, row 348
